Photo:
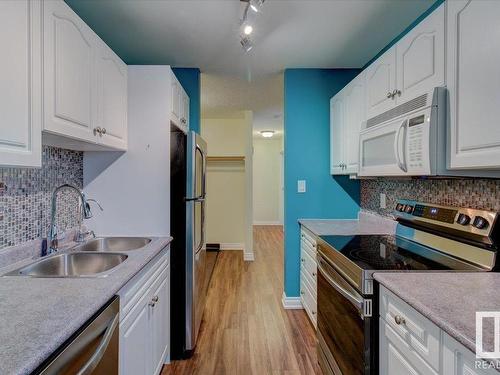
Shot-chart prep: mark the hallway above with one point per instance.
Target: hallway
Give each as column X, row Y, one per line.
column 245, row 329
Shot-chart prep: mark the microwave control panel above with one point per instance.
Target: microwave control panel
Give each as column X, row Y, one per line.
column 416, row 133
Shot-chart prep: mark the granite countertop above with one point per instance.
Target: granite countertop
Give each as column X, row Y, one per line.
column 449, row 299
column 37, row 315
column 367, row 223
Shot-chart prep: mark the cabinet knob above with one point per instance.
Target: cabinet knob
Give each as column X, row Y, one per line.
column 183, row 120
column 302, row 292
column 314, row 273
column 103, row 131
column 399, row 320
column 98, row 130
column 302, row 260
column 389, row 95
column 396, row 92
column 314, row 312
column 154, row 300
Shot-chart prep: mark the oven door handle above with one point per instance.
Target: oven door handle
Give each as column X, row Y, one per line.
column 359, row 303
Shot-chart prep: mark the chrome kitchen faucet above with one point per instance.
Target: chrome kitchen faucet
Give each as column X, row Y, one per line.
column 86, row 213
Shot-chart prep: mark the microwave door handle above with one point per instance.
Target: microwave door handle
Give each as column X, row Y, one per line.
column 349, row 296
column 401, row 165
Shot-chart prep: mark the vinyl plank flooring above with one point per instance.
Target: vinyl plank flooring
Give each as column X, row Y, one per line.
column 245, row 329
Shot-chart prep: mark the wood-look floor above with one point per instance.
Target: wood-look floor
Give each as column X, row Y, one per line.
column 245, row 329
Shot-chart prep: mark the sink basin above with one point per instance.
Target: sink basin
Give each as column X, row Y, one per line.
column 71, row 265
column 114, row 244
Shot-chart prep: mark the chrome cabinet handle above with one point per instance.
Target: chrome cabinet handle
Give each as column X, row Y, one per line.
column 399, row 320
column 98, row 130
column 396, row 92
column 389, row 95
column 154, row 300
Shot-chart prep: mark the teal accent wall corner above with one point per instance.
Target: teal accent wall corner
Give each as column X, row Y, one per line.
column 307, row 94
column 189, row 78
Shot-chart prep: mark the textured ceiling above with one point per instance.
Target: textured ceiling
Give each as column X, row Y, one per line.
column 204, row 33
column 288, row 34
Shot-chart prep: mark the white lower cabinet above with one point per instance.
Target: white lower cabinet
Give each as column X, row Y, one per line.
column 308, row 274
column 409, row 343
column 145, row 319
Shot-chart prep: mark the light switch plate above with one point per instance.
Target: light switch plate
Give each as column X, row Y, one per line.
column 383, row 201
column 301, row 186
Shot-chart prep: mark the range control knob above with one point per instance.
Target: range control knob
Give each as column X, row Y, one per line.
column 463, row 219
column 400, row 207
column 480, row 222
column 408, row 209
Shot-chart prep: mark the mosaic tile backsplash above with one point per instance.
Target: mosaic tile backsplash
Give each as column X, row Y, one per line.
column 474, row 193
column 25, row 196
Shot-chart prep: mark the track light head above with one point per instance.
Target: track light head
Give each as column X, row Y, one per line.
column 246, row 44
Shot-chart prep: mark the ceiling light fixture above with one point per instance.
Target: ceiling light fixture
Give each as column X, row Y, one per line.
column 247, row 29
column 246, row 44
column 267, row 133
column 256, row 5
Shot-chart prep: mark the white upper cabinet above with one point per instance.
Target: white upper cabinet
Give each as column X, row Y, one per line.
column 69, row 64
column 112, row 99
column 354, row 118
column 420, row 58
column 347, row 114
column 85, row 84
column 473, row 80
column 380, row 84
column 180, row 105
column 336, row 134
column 410, row 68
column 20, row 97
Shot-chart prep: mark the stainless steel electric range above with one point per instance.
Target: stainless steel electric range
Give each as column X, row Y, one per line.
column 428, row 238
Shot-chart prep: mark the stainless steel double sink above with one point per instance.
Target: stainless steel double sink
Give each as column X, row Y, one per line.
column 90, row 259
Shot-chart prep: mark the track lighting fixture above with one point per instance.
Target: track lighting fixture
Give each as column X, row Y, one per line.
column 256, row 5
column 246, row 44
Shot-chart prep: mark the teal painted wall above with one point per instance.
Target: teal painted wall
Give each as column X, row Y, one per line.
column 307, row 94
column 190, row 81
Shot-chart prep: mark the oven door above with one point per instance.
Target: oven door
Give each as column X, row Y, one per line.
column 344, row 319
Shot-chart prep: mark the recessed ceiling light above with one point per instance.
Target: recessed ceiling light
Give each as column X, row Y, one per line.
column 247, row 29
column 267, row 133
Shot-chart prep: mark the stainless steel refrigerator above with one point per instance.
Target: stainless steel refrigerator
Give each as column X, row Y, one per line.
column 190, row 271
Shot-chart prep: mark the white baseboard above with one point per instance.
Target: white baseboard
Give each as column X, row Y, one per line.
column 248, row 257
column 291, row 303
column 267, row 223
column 232, row 246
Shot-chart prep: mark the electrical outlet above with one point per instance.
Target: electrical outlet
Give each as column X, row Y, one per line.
column 301, row 186
column 383, row 202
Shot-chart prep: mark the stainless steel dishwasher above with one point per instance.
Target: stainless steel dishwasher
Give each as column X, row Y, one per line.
column 91, row 350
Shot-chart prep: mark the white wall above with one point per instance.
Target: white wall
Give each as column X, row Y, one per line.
column 267, row 181
column 229, row 192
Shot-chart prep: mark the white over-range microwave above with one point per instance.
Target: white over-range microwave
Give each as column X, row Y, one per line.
column 408, row 140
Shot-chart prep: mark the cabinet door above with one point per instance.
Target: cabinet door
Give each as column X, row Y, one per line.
column 420, row 58
column 354, row 117
column 69, row 63
column 380, row 83
column 458, row 360
column 395, row 356
column 185, row 110
column 176, row 104
column 20, row 97
column 336, row 133
column 473, row 79
column 160, row 321
column 135, row 342
column 112, row 98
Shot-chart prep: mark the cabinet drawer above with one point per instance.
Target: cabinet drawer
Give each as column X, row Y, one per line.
column 308, row 299
column 309, row 266
column 397, row 356
column 306, row 246
column 308, row 236
column 418, row 332
column 132, row 292
column 311, row 282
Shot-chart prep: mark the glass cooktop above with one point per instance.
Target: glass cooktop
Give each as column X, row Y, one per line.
column 386, row 252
